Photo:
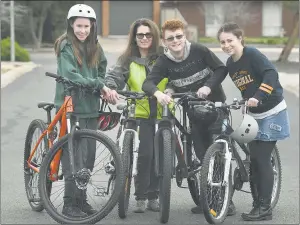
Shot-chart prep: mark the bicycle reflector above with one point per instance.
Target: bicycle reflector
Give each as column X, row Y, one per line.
column 107, row 120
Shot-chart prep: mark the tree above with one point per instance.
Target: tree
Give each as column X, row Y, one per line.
column 19, row 14
column 37, row 14
column 286, row 51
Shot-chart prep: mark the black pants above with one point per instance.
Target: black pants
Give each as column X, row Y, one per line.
column 201, row 136
column 262, row 169
column 146, row 182
column 87, row 148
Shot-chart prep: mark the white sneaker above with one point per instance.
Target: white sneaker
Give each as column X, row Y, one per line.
column 140, row 206
column 153, row 205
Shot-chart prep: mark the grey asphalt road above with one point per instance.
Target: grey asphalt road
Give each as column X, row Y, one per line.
column 19, row 106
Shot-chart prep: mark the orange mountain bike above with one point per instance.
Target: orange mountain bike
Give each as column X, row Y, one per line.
column 43, row 174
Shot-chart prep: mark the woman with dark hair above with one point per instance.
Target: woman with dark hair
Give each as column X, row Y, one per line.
column 257, row 79
column 80, row 58
column 131, row 69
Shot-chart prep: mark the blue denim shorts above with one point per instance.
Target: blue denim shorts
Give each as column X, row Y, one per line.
column 274, row 127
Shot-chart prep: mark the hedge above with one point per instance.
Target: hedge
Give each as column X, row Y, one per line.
column 21, row 54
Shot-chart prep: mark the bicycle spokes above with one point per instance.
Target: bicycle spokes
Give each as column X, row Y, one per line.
column 95, row 183
column 216, row 185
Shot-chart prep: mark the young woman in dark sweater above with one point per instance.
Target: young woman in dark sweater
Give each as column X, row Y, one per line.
column 257, row 79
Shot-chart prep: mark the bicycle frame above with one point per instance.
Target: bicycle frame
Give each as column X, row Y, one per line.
column 64, row 115
column 230, row 150
column 181, row 153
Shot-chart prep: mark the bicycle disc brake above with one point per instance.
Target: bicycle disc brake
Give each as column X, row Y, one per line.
column 82, row 178
column 238, row 183
column 178, row 176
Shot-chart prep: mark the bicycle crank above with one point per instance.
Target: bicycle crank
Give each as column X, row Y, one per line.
column 82, row 178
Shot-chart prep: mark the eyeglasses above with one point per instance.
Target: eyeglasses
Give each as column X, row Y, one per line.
column 141, row 35
column 178, row 37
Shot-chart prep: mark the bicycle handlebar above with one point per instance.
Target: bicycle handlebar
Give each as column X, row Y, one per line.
column 53, row 75
column 132, row 94
column 62, row 79
column 235, row 105
column 185, row 94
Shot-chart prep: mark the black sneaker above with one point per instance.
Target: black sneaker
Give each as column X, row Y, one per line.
column 73, row 211
column 197, row 210
column 87, row 208
column 232, row 209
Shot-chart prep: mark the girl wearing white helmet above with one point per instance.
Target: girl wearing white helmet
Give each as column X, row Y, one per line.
column 257, row 79
column 80, row 58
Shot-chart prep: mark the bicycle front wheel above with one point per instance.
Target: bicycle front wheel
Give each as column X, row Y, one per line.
column 127, row 165
column 215, row 192
column 87, row 187
column 165, row 164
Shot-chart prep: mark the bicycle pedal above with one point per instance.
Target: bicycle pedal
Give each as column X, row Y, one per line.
column 60, row 177
column 184, row 187
column 34, row 199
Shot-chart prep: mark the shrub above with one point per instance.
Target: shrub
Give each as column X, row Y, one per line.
column 21, row 54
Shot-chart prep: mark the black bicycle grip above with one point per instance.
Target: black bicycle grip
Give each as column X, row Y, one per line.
column 48, row 74
column 131, row 93
column 197, row 102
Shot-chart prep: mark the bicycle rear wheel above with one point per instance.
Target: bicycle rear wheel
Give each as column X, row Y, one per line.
column 127, row 165
column 94, row 188
column 165, row 165
column 35, row 130
column 194, row 181
column 215, row 193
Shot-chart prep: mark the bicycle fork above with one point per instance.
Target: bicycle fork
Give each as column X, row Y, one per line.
column 71, row 130
column 228, row 157
column 136, row 143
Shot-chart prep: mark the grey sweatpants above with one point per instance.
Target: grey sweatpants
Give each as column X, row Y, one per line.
column 146, row 183
column 88, row 151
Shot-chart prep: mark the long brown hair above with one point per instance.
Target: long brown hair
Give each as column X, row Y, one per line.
column 132, row 48
column 233, row 28
column 93, row 46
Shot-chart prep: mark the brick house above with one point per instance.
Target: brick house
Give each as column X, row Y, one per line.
column 257, row 18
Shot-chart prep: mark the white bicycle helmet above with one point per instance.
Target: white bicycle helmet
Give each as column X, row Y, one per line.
column 81, row 10
column 247, row 130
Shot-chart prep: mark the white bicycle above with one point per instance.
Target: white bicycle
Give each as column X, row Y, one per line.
column 216, row 186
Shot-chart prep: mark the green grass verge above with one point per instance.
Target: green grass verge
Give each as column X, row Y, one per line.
column 252, row 40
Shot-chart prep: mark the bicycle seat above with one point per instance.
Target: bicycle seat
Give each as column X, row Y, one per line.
column 46, row 105
column 121, row 106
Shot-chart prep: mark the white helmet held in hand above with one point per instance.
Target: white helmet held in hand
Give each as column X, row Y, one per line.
column 81, row 10
column 247, row 130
